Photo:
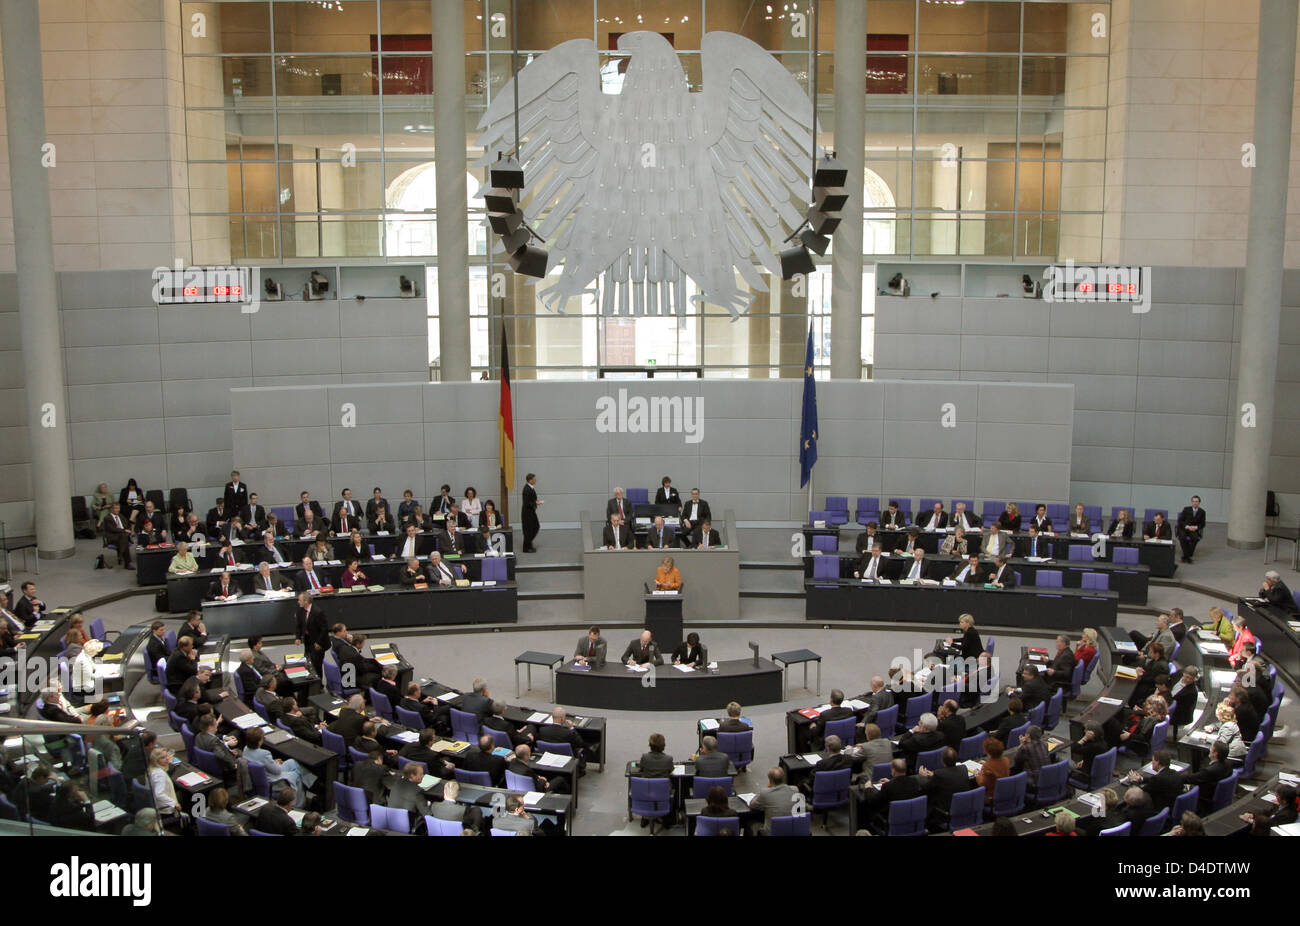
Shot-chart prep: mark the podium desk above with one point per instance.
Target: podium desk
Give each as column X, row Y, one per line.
column 663, row 618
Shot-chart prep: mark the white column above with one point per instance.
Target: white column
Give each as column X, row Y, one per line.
column 850, row 145
column 1262, row 301
column 38, row 297
column 449, row 170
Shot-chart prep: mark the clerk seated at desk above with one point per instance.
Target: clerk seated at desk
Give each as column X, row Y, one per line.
column 1157, row 529
column 691, row 653
column 643, row 651
column 703, row 537
column 308, row 526
column 265, row 582
column 618, row 536
column 1035, row 544
column 223, row 588
column 409, row 548
column 872, row 564
column 911, row 542
column 969, row 573
column 916, row 569
column 668, row 577
column 660, row 536
column 450, row 542
column 591, row 649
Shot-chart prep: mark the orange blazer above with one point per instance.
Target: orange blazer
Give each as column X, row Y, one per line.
column 668, row 578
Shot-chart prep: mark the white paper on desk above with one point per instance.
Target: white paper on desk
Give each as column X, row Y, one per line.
column 1207, row 634
column 1166, row 542
column 1286, row 829
column 407, row 736
column 747, row 796
column 883, row 581
column 538, row 717
column 192, row 779
column 1126, row 646
column 708, row 724
column 812, row 758
column 1212, row 648
column 950, row 583
column 297, row 816
column 533, row 798
column 449, row 696
column 106, row 811
column 1288, row 778
column 553, row 760
column 252, row 805
column 334, row 562
column 1111, row 701
column 1149, row 769
column 1201, row 736
column 427, row 782
column 679, row 770
column 1038, row 559
column 217, row 569
column 856, row 705
column 358, row 831
column 113, row 670
column 929, row 582
column 638, row 668
column 683, row 668
column 247, row 721
column 972, row 766
column 1223, row 677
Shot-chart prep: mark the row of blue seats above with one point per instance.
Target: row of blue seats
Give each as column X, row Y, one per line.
column 869, row 507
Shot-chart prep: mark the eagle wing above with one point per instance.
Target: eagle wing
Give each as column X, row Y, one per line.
column 755, row 130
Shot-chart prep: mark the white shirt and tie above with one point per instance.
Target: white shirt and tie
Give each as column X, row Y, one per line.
column 965, row 571
column 408, row 548
column 275, row 551
column 873, row 568
column 444, row 572
column 618, row 537
column 315, row 582
column 695, row 511
column 270, row 583
column 915, row 571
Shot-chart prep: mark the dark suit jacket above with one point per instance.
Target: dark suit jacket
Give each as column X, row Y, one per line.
column 529, row 496
column 1188, row 518
column 704, row 515
column 357, row 515
column 314, row 505
column 179, row 669
column 301, row 527
column 1044, row 526
column 155, row 649
column 303, row 728
column 612, row 506
column 253, row 516
column 974, row 576
column 1009, row 524
column 912, row 743
column 216, row 522
column 263, row 554
column 1025, row 546
column 235, row 499
column 429, row 713
column 476, row 760
column 672, row 497
column 953, row 728
column 1083, row 526
column 348, row 725
column 658, row 540
column 374, row 779
column 372, row 507
column 1034, row 691
column 642, row 655
column 1279, row 595
column 900, row 789
column 1164, row 533
column 313, row 628
column 389, row 525
column 584, row 647
column 624, row 536
column 924, row 518
column 302, row 584
column 500, row 723
column 273, row 819
column 214, row 587
column 697, row 656
column 893, row 519
column 1164, row 787
column 450, row 543
column 406, row 795
column 655, row 765
column 712, row 765
column 946, row 782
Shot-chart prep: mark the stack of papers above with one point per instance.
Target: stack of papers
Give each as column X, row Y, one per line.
column 684, row 668
column 747, row 796
column 533, row 798
column 708, row 725
column 1114, row 702
column 247, row 721
column 1126, row 646
column 386, row 659
column 645, row 668
column 1212, row 647
column 679, row 769
column 358, row 831
column 538, row 717
column 449, row 696
column 106, row 811
column 193, row 779
column 252, row 805
column 1126, row 672
column 812, row 758
column 407, row 736
column 553, row 760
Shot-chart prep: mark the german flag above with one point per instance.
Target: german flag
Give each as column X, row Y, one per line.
column 506, row 420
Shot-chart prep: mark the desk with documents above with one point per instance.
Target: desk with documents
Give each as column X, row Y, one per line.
column 682, row 778
column 670, row 688
column 366, row 610
column 322, row 762
column 1028, row 607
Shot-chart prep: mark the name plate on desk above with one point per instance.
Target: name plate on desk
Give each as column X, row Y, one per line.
column 664, row 591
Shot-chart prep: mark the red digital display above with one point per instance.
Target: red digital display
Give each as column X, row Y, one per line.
column 1121, row 288
column 191, row 291
column 221, row 290
column 1083, row 288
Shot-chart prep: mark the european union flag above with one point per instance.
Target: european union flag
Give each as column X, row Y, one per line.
column 808, row 424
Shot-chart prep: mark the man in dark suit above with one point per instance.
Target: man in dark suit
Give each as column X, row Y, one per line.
column 479, row 701
column 1191, row 527
column 249, row 677
column 837, row 711
column 967, row 520
column 156, row 646
column 350, row 720
column 456, row 519
column 832, row 762
column 382, row 522
column 1208, row 776
column 694, row 511
column 347, row 652
column 373, row 777
column 450, row 542
column 253, row 513
column 235, row 496
column 421, row 751
column 923, row 737
column 1164, row 786
column 656, row 763
column 951, row 724
column 617, row 535
column 933, row 520
column 305, row 501
column 1035, row 544
column 309, row 525
column 309, row 580
column 346, row 506
column 900, row 786
column 969, row 572
column 872, row 564
column 386, row 685
column 218, row 519
column 433, row 712
column 117, row 532
column 703, row 536
column 223, row 587
column 667, row 495
column 312, row 630
column 442, row 502
column 1002, row 575
column 892, row 518
column 1138, row 808
column 660, row 536
column 181, row 664
column 1033, row 689
column 561, row 730
column 291, row 716
column 910, row 542
column 481, row 759
column 591, row 649
column 405, row 793
column 376, row 500
column 619, row 505
column 1060, row 674
column 274, row 818
column 1157, row 528
column 497, row 721
column 530, row 503
column 518, row 763
column 1274, row 591
column 642, row 651
column 268, row 551
column 940, row 784
column 264, row 581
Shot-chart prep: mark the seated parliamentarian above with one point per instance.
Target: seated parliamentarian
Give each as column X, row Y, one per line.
column 490, row 518
column 955, row 543
column 694, row 511
column 413, row 576
column 441, row 572
column 1002, row 575
column 457, row 519
column 1035, row 544
column 1158, row 528
column 1009, row 519
column 1121, row 525
column 148, row 532
column 321, row 550
column 667, row 495
column 915, row 569
column 668, row 577
column 218, row 518
column 409, row 546
column 933, row 520
column 910, row 542
column 965, row 519
column 352, row 574
column 872, row 563
column 356, row 547
column 308, row 526
column 183, row 563
column 309, row 580
column 997, row 543
column 691, row 652
column 406, row 506
column 1080, row 523
column 591, row 649
column 417, row 517
column 867, row 539
column 705, row 536
column 617, row 536
column 892, row 518
column 642, row 651
column 265, row 582
column 450, row 542
column 223, row 588
column 969, row 573
column 226, row 555
column 268, row 552
column 1041, row 520
column 660, row 536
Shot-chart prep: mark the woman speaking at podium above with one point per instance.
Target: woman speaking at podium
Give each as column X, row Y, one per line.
column 667, row 576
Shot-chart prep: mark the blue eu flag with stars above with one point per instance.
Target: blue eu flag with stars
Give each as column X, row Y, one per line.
column 808, row 423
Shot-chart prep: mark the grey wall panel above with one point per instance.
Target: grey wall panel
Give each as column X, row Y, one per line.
column 271, row 447
column 116, row 400
column 1031, row 443
column 479, row 440
column 197, row 433
column 1188, row 322
column 296, row 357
column 1180, row 432
column 280, row 485
column 1206, row 359
column 1087, row 355
column 13, row 408
column 15, row 486
column 101, row 289
column 997, row 316
column 1110, row 321
column 840, row 438
column 1196, row 284
column 382, row 355
column 13, row 445
column 1178, row 468
column 129, row 364
column 302, row 379
column 1100, row 393
column 298, row 321
column 106, row 328
column 763, row 397
column 1111, row 429
column 376, row 443
column 265, row 408
column 11, row 368
column 1001, row 352
column 210, row 324
column 200, row 396
column 116, row 438
column 852, row 401
column 148, row 469
column 919, row 477
column 379, row 404
column 1016, row 404
column 1101, row 464
column 405, row 318
column 210, row 468
column 198, row 360
column 1181, row 396
column 393, row 477
column 1009, row 481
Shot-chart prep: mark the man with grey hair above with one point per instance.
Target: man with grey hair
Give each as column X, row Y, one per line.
column 1163, row 635
column 478, row 701
column 619, row 505
column 145, row 824
column 498, row 722
column 249, row 678
column 561, row 730
column 776, row 800
column 923, row 737
column 709, row 763
column 1138, row 808
column 1275, row 592
column 833, row 761
column 1031, row 756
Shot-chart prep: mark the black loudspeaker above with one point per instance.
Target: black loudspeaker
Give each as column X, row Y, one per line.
column 530, row 261
column 795, row 261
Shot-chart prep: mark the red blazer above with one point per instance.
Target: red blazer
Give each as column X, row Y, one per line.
column 349, row 579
